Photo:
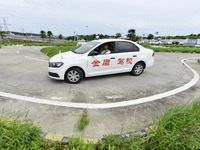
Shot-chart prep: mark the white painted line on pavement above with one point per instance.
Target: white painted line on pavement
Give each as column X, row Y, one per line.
column 111, row 105
column 37, row 59
column 3, row 52
column 10, row 52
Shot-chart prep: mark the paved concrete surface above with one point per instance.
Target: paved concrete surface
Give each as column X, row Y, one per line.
column 28, row 77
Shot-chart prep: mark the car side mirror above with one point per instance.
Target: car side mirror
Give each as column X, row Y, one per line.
column 94, row 53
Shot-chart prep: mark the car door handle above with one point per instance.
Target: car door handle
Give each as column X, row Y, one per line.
column 112, row 58
column 134, row 55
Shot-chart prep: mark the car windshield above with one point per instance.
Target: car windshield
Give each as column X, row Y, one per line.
column 86, row 47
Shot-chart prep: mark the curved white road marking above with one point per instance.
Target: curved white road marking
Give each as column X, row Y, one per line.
column 37, row 59
column 17, row 52
column 3, row 52
column 110, row 105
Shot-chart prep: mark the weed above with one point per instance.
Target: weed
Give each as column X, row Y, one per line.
column 19, row 134
column 83, row 121
column 198, row 61
column 178, row 128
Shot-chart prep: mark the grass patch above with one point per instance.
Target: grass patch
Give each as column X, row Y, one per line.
column 169, row 46
column 51, row 44
column 83, row 121
column 11, row 43
column 19, row 134
column 51, row 51
column 198, row 61
column 178, row 128
column 182, row 50
column 39, row 44
column 173, row 48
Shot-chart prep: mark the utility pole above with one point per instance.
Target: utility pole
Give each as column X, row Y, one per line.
column 22, row 31
column 5, row 25
column 156, row 33
column 143, row 35
column 86, row 32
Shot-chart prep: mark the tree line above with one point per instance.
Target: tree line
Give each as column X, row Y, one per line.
column 48, row 34
column 131, row 35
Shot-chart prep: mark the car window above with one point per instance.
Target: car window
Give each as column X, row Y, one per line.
column 85, row 47
column 111, row 47
column 126, row 47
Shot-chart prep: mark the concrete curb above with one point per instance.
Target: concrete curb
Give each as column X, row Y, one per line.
column 65, row 140
column 50, row 138
column 62, row 139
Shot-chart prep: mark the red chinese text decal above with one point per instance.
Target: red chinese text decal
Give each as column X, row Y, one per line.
column 128, row 60
column 95, row 63
column 121, row 61
column 106, row 62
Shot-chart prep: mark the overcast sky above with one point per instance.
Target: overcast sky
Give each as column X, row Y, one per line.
column 168, row 17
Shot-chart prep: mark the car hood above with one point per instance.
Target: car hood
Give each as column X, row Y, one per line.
column 63, row 56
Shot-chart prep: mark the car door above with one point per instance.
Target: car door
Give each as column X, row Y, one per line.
column 101, row 64
column 126, row 56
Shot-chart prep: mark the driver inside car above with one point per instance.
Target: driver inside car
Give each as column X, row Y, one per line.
column 105, row 50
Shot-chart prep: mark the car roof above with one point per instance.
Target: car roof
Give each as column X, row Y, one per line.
column 110, row 40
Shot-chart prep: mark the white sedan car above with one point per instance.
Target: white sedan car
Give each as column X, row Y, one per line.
column 88, row 61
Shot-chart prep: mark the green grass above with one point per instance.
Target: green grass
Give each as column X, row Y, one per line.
column 19, row 134
column 51, row 44
column 176, row 129
column 180, row 50
column 198, row 61
column 11, row 43
column 39, row 44
column 51, row 51
column 174, row 48
column 83, row 121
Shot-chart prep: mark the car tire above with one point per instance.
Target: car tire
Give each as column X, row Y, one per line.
column 74, row 75
column 138, row 69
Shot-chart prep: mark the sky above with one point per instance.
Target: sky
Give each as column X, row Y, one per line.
column 168, row 17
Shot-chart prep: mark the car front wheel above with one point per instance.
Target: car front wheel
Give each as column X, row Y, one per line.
column 74, row 75
column 138, row 69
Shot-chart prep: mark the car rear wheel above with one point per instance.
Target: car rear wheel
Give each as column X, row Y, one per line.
column 138, row 69
column 74, row 75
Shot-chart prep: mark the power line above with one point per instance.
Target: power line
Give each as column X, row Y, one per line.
column 5, row 25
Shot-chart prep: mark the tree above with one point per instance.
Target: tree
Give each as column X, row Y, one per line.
column 49, row 34
column 60, row 36
column 131, row 34
column 118, row 35
column 43, row 34
column 136, row 38
column 150, row 36
column 2, row 35
column 93, row 37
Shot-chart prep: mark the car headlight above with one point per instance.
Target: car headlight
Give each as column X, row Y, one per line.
column 55, row 64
